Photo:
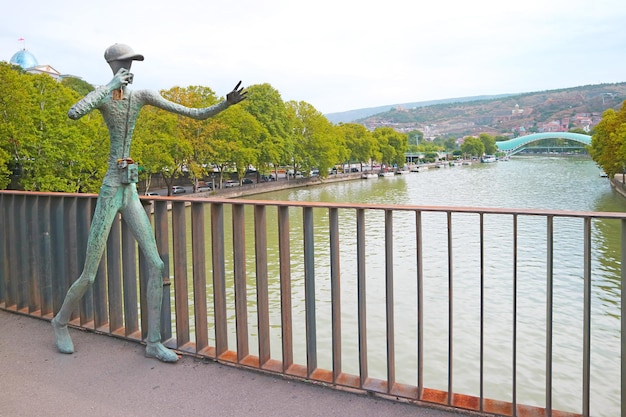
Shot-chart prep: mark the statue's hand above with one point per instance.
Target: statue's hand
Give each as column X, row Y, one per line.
column 121, row 78
column 236, row 95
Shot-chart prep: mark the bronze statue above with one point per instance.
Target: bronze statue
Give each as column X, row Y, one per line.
column 120, row 107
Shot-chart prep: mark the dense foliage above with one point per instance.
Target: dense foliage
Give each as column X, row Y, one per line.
column 608, row 143
column 41, row 149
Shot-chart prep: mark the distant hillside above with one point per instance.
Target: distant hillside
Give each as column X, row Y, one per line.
column 552, row 110
column 352, row 115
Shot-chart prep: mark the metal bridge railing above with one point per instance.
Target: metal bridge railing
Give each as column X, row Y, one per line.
column 290, row 288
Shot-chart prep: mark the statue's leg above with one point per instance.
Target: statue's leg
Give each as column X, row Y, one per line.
column 137, row 219
column 106, row 209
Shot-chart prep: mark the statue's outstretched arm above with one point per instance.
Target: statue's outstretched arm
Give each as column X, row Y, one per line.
column 94, row 99
column 155, row 99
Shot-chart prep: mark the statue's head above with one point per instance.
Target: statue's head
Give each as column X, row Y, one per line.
column 121, row 56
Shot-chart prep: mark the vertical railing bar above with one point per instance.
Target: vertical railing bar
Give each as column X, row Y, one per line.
column 114, row 277
column 335, row 290
column 482, row 312
column 181, row 292
column 284, row 249
column 22, row 255
column 45, row 254
column 239, row 263
column 60, row 276
column 32, row 215
column 361, row 295
column 262, row 289
column 309, row 290
column 198, row 256
column 4, row 267
column 549, row 299
column 83, row 222
column 587, row 318
column 450, row 310
column 161, row 234
column 71, row 249
column 4, row 256
column 514, row 360
column 420, row 305
column 129, row 280
column 219, row 278
column 623, row 322
column 12, row 257
column 389, row 301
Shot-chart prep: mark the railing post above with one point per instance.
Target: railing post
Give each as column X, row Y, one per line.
column 586, row 318
column 219, row 278
column 335, row 290
column 549, row 317
column 361, row 296
column 239, row 270
column 389, row 301
column 309, row 290
column 623, row 321
column 284, row 250
column 262, row 292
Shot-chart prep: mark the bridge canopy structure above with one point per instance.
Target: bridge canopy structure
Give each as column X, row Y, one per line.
column 516, row 145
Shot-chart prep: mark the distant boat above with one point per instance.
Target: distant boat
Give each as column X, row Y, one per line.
column 603, row 174
column 488, row 158
column 467, row 162
column 403, row 171
column 386, row 174
column 368, row 175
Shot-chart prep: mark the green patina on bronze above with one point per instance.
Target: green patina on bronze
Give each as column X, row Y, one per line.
column 120, row 107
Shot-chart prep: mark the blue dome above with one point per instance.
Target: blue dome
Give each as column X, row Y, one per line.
column 24, row 59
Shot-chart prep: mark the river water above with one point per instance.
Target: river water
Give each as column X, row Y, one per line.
column 539, row 182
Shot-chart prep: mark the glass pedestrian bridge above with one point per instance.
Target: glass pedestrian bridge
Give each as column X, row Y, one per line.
column 285, row 287
column 513, row 146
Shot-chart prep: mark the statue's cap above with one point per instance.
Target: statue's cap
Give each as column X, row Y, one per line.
column 121, row 52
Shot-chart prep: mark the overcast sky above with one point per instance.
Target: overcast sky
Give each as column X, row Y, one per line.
column 337, row 55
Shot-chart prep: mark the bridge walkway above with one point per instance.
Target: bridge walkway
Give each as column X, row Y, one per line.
column 108, row 377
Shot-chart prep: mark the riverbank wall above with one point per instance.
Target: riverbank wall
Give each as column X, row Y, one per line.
column 617, row 182
column 268, row 187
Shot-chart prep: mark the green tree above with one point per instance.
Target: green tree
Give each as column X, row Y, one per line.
column 266, row 105
column 242, row 132
column 392, row 145
column 316, row 142
column 16, row 127
column 359, row 142
column 64, row 155
column 80, row 86
column 473, row 146
column 607, row 147
column 489, row 143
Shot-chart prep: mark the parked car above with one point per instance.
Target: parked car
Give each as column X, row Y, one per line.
column 247, row 181
column 177, row 189
column 230, row 183
column 152, row 193
column 204, row 187
column 267, row 178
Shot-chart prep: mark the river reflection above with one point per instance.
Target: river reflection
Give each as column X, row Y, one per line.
column 523, row 182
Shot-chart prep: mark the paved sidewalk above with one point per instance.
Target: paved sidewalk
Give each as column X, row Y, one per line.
column 110, row 377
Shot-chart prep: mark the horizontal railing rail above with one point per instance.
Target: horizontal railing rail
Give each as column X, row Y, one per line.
column 382, row 299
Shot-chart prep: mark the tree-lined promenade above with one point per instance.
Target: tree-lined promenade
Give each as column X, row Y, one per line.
column 41, row 149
